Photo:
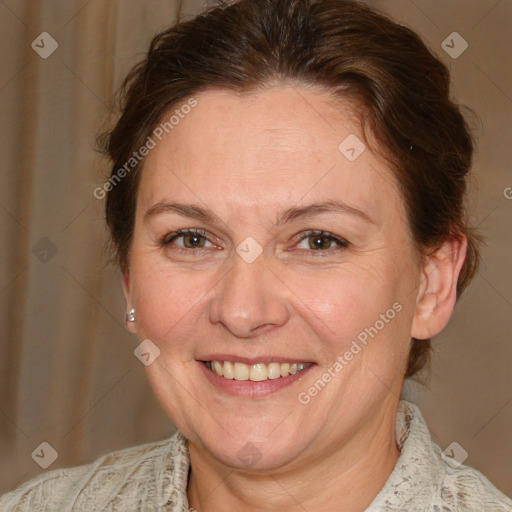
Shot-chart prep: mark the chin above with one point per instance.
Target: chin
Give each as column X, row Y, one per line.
column 255, row 457
column 252, row 447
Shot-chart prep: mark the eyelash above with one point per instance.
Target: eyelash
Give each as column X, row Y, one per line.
column 169, row 238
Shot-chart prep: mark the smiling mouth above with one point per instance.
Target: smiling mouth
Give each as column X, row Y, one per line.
column 254, row 372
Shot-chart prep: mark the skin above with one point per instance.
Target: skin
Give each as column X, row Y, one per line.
column 248, row 158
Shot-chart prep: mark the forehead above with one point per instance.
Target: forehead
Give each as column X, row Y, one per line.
column 265, row 149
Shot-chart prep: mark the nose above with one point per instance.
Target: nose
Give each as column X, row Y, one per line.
column 249, row 299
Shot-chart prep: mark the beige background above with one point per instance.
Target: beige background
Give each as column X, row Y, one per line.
column 68, row 375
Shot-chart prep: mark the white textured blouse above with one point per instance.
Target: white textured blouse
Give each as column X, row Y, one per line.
column 153, row 477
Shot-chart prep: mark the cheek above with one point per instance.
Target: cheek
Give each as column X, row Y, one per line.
column 346, row 303
column 167, row 302
column 364, row 331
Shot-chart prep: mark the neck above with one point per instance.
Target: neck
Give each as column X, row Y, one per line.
column 345, row 477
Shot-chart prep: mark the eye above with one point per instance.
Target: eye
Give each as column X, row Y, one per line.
column 191, row 239
column 317, row 241
column 321, row 241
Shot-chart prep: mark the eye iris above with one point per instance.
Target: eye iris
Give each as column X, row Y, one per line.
column 319, row 242
column 194, row 239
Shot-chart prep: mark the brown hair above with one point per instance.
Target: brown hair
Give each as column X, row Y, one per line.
column 342, row 45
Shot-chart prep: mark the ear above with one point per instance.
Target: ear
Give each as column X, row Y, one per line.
column 437, row 292
column 125, row 278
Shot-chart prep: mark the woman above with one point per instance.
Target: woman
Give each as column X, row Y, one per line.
column 286, row 206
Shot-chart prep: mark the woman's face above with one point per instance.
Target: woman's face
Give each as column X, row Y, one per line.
column 260, row 176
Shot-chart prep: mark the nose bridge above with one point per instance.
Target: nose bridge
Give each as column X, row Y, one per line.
column 248, row 297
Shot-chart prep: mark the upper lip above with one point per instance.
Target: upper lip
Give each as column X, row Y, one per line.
column 264, row 358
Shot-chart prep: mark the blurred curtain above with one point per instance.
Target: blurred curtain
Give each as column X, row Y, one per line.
column 67, row 371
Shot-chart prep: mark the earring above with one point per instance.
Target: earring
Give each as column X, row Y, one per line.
column 130, row 316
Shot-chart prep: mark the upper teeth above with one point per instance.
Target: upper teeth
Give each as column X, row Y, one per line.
column 255, row 372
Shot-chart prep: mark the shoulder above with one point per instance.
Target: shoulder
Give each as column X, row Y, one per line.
column 452, row 486
column 120, row 480
column 465, row 488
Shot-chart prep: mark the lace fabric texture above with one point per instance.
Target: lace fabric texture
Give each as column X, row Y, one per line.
column 153, row 477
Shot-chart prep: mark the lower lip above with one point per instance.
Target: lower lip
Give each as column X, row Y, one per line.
column 249, row 388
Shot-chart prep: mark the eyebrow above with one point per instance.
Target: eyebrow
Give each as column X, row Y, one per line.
column 292, row 214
